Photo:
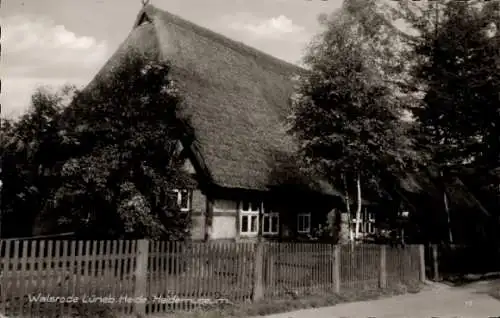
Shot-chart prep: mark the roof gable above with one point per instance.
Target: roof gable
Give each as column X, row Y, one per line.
column 192, row 30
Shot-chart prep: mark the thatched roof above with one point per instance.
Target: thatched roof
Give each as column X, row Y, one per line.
column 431, row 184
column 236, row 97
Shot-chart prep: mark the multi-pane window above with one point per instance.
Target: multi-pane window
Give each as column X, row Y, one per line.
column 183, row 199
column 249, row 217
column 304, row 222
column 370, row 224
column 367, row 224
column 270, row 223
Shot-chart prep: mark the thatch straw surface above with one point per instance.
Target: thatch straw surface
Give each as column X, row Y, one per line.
column 430, row 185
column 236, row 97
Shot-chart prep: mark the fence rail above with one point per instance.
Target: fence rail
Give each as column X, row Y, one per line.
column 152, row 277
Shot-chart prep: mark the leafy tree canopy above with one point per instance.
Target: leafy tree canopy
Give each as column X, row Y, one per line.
column 458, row 70
column 108, row 161
column 345, row 113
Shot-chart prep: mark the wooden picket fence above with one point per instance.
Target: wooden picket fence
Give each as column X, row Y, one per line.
column 154, row 277
column 308, row 268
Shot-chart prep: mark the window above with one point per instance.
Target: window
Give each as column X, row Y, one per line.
column 304, row 223
column 183, row 199
column 367, row 224
column 270, row 223
column 249, row 217
column 370, row 223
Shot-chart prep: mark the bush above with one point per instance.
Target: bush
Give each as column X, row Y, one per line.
column 102, row 166
column 93, row 311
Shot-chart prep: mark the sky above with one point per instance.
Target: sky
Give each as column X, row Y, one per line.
column 57, row 42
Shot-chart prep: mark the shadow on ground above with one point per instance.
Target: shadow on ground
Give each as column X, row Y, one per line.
column 437, row 300
column 467, row 279
column 485, row 284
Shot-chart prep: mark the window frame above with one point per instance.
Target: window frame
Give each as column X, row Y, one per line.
column 308, row 216
column 270, row 215
column 367, row 224
column 370, row 223
column 249, row 214
column 179, row 193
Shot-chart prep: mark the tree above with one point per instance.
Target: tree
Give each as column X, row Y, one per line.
column 384, row 30
column 124, row 135
column 398, row 37
column 112, row 156
column 458, row 71
column 28, row 146
column 457, row 74
column 459, row 127
column 345, row 116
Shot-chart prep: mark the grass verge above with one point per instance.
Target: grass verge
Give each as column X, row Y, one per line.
column 274, row 306
column 238, row 310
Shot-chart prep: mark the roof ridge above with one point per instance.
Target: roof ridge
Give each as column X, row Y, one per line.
column 234, row 97
column 211, row 35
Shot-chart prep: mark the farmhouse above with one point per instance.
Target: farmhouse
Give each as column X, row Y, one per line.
column 237, row 100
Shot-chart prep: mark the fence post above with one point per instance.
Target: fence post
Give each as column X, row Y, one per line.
column 336, row 268
column 421, row 254
column 141, row 272
column 435, row 262
column 383, row 267
column 258, row 285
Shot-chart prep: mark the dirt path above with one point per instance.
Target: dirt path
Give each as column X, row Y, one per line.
column 439, row 301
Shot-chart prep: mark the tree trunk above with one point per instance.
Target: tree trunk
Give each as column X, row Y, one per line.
column 447, row 210
column 358, row 210
column 348, row 209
